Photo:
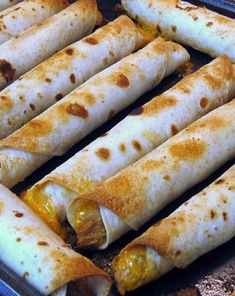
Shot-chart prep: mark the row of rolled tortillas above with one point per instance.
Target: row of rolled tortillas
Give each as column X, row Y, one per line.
column 66, row 122
column 202, row 223
column 198, row 27
column 57, row 76
column 23, row 52
column 38, row 255
column 139, row 133
column 8, row 3
column 26, row 14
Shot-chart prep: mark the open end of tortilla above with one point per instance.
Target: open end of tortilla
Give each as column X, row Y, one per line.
column 84, row 216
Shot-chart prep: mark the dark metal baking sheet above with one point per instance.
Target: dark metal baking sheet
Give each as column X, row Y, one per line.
column 211, row 275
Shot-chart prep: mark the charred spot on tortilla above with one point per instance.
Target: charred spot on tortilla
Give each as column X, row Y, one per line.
column 77, row 110
column 225, row 216
column 32, row 106
column 7, row 70
column 72, row 78
column 136, row 144
column 18, row 239
column 18, row 214
column 122, row 148
column 122, row 81
column 21, row 98
column 219, row 181
column 89, row 98
column 158, row 27
column 213, row 214
column 174, row 129
column 209, row 24
column 137, row 111
column 91, row 40
column 69, row 51
column 103, row 153
column 58, row 97
column 48, row 80
column 178, row 253
column 167, row 178
column 204, row 102
column 43, row 243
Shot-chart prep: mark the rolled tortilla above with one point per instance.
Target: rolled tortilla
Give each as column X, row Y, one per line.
column 134, row 195
column 39, row 256
column 16, row 19
column 132, row 138
column 202, row 223
column 61, row 126
column 23, row 52
column 56, row 77
column 202, row 29
column 8, row 3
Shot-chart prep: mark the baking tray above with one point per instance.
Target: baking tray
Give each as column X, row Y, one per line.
column 211, row 275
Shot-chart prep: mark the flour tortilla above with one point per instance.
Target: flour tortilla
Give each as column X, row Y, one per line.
column 97, row 161
column 23, row 52
column 202, row 223
column 8, row 3
column 19, row 17
column 198, row 27
column 37, row 254
column 61, row 126
column 138, row 192
column 57, row 76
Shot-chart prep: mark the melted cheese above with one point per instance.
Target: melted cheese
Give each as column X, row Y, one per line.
column 134, row 268
column 42, row 206
column 88, row 224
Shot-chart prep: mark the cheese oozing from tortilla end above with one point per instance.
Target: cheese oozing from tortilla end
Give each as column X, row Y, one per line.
column 39, row 202
column 136, row 266
column 88, row 224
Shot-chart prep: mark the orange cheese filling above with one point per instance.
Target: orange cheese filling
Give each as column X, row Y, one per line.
column 42, row 206
column 88, row 224
column 133, row 268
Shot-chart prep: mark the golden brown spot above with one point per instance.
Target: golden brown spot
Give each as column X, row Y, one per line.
column 152, row 164
column 137, row 111
column 174, row 129
column 5, row 102
column 219, row 181
column 42, row 243
column 72, row 78
column 188, row 150
column 225, row 216
column 18, row 239
column 58, row 97
column 7, row 70
column 122, row 147
column 211, row 123
column 32, row 106
column 19, row 215
column 111, row 54
column 159, row 104
column 103, row 153
column 204, row 102
column 35, row 128
column 9, row 121
column 213, row 82
column 174, row 28
column 69, row 51
column 91, row 40
column 1, row 206
column 209, row 24
column 77, row 110
column 195, row 18
column 122, row 81
column 137, row 145
column 213, row 214
column 48, row 80
column 167, row 178
column 89, row 98
column 21, row 98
